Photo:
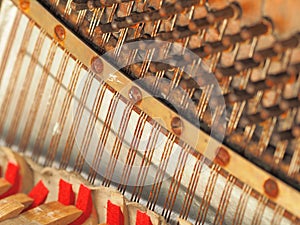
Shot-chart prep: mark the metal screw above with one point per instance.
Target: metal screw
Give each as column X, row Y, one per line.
column 222, row 157
column 176, row 125
column 60, row 32
column 135, row 94
column 97, row 65
column 24, row 4
column 271, row 188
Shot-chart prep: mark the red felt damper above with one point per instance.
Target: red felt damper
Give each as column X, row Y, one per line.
column 66, row 194
column 85, row 203
column 12, row 175
column 142, row 219
column 114, row 214
column 39, row 194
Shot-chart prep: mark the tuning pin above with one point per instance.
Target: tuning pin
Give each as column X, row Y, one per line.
column 121, row 22
column 225, row 72
column 214, row 47
column 158, row 66
column 281, row 46
column 277, row 79
column 188, row 83
column 198, row 52
column 262, row 55
column 152, row 15
column 254, row 31
column 183, row 4
column 168, row 10
column 285, row 104
column 253, row 87
column 178, row 33
column 233, row 10
column 198, row 24
column 282, row 135
column 239, row 95
column 229, row 40
column 164, row 36
column 244, row 64
column 251, row 119
column 78, row 5
column 294, row 68
column 272, row 111
column 109, row 3
column 182, row 32
column 139, row 17
column 107, row 28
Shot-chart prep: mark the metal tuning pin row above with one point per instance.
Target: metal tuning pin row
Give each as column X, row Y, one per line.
column 78, row 5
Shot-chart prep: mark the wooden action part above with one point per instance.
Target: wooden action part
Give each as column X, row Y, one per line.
column 4, row 186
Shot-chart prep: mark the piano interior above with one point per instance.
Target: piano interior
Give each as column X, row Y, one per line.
column 157, row 112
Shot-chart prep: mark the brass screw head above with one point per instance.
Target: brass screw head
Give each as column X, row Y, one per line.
column 222, row 158
column 271, row 188
column 60, row 32
column 97, row 65
column 24, row 4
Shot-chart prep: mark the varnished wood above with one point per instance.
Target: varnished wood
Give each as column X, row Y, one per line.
column 10, row 208
column 21, row 198
column 52, row 213
column 4, row 186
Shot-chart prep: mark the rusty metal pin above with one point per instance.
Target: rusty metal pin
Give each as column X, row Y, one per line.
column 229, row 40
column 176, row 125
column 239, row 95
column 261, row 55
column 213, row 47
column 135, row 95
column 272, row 111
column 226, row 72
column 244, row 64
column 282, row 135
column 281, row 46
column 109, row 3
column 230, row 11
column 253, row 31
column 253, row 87
column 78, row 6
column 271, row 188
column 277, row 79
column 198, row 24
column 285, row 104
column 294, row 68
column 60, row 32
